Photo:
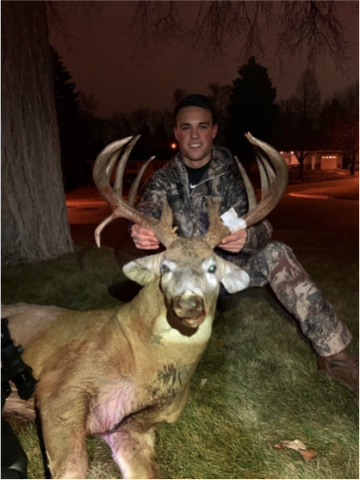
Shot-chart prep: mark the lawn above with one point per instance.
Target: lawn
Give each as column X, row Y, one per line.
column 256, row 384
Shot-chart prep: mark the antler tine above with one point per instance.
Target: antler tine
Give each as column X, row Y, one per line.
column 100, row 228
column 277, row 182
column 121, row 167
column 217, row 230
column 135, row 185
column 267, row 174
column 102, row 172
column 248, row 186
column 105, row 163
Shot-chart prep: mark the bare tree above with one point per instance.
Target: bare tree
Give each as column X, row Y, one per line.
column 119, row 126
column 287, row 27
column 88, row 104
column 157, row 123
column 178, row 94
column 300, row 115
column 162, row 120
column 348, row 133
column 220, row 95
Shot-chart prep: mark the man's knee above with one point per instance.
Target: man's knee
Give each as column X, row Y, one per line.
column 283, row 267
column 278, row 248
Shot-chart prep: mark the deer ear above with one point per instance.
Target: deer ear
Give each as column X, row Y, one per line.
column 144, row 270
column 231, row 276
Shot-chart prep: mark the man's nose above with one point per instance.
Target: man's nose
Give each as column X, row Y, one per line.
column 194, row 133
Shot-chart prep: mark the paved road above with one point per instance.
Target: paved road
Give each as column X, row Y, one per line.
column 309, row 214
column 317, row 214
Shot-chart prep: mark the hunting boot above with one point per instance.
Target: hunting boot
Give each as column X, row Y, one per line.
column 344, row 366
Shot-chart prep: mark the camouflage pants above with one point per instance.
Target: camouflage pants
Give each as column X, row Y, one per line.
column 277, row 265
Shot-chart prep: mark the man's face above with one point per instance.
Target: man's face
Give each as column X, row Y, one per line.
column 195, row 132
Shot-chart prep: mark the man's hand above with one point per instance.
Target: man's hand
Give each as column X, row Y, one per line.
column 234, row 242
column 143, row 238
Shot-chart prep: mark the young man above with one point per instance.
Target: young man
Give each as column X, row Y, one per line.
column 200, row 169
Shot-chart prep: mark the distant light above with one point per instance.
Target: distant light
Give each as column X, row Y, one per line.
column 292, row 153
column 173, row 145
column 281, row 153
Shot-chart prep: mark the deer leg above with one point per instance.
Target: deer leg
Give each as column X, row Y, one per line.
column 133, row 451
column 64, row 430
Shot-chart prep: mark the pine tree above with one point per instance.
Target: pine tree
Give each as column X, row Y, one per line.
column 70, row 125
column 251, row 108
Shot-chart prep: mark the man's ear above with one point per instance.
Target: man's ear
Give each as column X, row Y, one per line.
column 214, row 130
column 144, row 270
column 176, row 134
column 231, row 276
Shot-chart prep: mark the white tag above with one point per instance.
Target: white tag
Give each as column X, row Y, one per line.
column 232, row 221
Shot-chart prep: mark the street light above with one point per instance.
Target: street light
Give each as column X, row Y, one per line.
column 173, row 146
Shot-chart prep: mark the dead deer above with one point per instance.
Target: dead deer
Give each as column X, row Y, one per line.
column 118, row 373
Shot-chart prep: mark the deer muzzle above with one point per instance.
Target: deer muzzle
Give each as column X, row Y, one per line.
column 190, row 309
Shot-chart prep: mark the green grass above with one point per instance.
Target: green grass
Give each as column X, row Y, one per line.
column 262, row 385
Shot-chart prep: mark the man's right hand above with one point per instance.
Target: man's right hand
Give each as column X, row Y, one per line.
column 143, row 238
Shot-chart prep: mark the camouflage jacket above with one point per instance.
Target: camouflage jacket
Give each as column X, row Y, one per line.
column 222, row 180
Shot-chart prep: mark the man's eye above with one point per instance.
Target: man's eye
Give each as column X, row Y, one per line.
column 164, row 269
column 212, row 269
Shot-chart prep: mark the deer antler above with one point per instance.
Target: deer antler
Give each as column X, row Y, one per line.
column 273, row 185
column 103, row 168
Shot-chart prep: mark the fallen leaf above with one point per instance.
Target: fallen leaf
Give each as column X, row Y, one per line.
column 308, row 454
column 279, row 446
column 203, row 381
column 294, row 445
column 299, row 447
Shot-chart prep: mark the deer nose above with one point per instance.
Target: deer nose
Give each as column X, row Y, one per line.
column 190, row 306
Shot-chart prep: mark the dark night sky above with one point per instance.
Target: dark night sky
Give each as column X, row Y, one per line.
column 99, row 60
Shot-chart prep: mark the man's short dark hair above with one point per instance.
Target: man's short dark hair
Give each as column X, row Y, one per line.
column 196, row 100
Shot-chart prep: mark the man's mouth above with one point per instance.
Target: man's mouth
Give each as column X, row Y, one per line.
column 195, row 145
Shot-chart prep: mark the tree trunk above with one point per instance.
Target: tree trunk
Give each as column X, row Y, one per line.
column 353, row 158
column 301, row 159
column 34, row 216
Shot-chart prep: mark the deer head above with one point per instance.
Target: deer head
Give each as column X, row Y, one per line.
column 188, row 270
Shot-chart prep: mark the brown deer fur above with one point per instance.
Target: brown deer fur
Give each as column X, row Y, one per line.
column 118, row 373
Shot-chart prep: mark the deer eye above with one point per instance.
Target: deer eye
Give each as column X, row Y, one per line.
column 212, row 269
column 164, row 269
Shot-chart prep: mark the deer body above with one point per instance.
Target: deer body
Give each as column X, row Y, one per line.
column 118, row 373
column 102, row 353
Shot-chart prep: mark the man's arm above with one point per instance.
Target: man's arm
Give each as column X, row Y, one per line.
column 258, row 236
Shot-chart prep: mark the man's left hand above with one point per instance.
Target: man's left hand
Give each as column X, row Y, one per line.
column 234, row 242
